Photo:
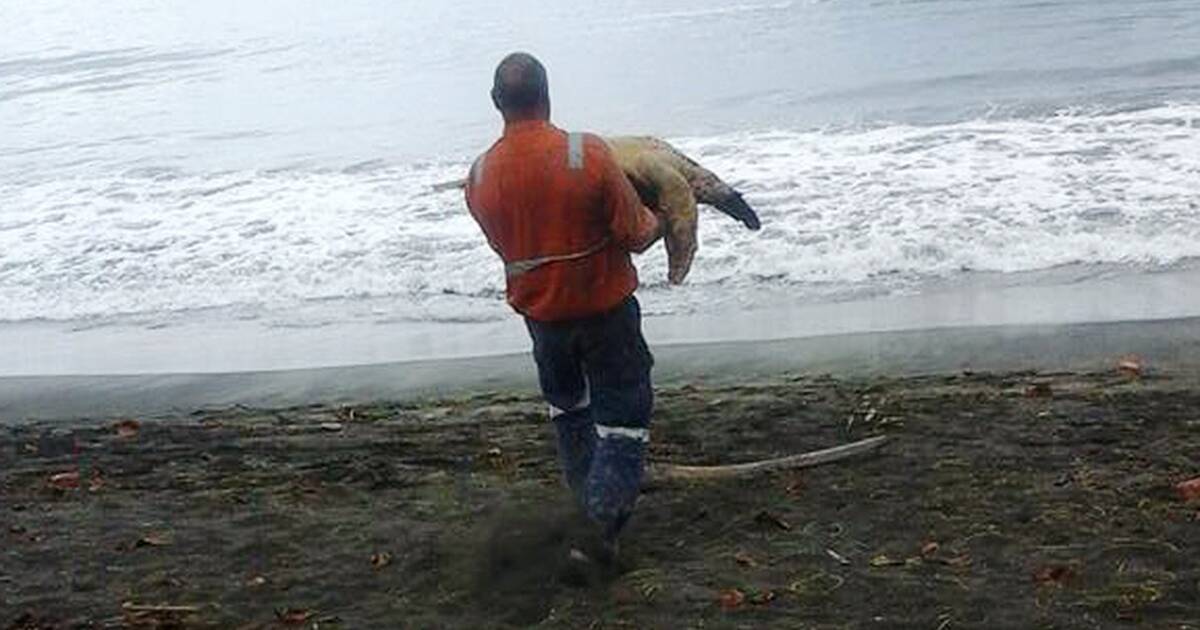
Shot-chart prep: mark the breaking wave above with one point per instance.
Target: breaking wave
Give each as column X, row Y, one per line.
column 880, row 209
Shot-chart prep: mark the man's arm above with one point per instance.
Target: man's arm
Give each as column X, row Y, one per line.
column 469, row 193
column 633, row 226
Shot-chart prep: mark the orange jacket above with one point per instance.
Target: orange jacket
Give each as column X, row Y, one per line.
column 563, row 217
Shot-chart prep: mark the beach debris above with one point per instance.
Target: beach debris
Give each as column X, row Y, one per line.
column 150, row 616
column 65, row 480
column 1055, row 575
column 884, row 560
column 126, row 429
column 1039, row 390
column 837, row 557
column 961, row 560
column 762, row 598
column 153, row 539
column 659, row 473
column 381, row 559
column 1189, row 490
column 504, row 463
column 294, row 616
column 795, row 486
column 96, row 482
column 647, row 583
column 731, row 599
column 1131, row 365
column 745, row 559
column 72, row 480
column 772, row 520
column 332, row 427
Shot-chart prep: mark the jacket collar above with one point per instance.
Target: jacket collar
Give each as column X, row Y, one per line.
column 525, row 126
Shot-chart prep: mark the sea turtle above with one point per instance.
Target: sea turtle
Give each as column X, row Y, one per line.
column 671, row 184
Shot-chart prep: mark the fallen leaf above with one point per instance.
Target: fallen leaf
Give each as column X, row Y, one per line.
column 153, row 539
column 1131, row 365
column 1189, row 490
column 1055, row 575
column 766, row 518
column 731, row 599
column 127, row 428
column 65, row 481
column 1039, row 390
column 256, row 581
column 929, row 548
column 745, row 559
column 292, row 616
column 381, row 559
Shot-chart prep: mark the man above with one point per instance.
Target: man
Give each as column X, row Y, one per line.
column 564, row 219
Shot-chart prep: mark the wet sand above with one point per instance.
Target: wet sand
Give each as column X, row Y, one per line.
column 1005, row 499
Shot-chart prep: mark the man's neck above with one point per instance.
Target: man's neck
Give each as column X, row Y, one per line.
column 521, row 124
column 540, row 113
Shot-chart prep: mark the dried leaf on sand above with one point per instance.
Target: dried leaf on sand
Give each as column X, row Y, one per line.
column 126, row 429
column 731, row 599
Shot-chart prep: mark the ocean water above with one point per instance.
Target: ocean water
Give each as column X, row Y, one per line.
column 162, row 160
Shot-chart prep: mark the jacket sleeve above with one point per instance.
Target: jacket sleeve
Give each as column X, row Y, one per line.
column 633, row 226
column 469, row 194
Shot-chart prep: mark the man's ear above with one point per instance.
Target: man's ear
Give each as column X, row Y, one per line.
column 496, row 98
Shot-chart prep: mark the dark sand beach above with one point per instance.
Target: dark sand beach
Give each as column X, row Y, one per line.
column 1011, row 499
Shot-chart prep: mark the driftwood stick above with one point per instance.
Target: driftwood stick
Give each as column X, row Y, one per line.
column 140, row 608
column 658, row 473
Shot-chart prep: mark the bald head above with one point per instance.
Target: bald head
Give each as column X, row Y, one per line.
column 521, row 90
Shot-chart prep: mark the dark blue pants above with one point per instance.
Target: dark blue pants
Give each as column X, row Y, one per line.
column 595, row 373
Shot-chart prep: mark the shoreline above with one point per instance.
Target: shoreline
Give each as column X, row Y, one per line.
column 1171, row 344
column 224, row 344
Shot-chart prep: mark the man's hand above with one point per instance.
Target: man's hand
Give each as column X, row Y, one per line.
column 652, row 227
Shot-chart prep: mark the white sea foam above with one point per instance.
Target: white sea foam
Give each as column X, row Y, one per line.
column 880, row 209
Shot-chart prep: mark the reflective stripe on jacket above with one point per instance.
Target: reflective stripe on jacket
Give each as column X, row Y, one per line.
column 563, row 217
